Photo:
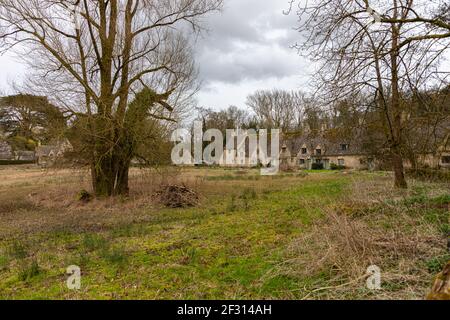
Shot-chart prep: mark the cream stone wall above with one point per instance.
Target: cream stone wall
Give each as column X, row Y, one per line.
column 356, row 162
column 350, row 162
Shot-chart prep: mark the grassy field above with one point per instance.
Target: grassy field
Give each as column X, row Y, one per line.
column 305, row 235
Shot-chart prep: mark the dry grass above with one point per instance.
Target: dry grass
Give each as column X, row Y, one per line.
column 372, row 226
column 34, row 200
column 46, row 200
column 343, row 249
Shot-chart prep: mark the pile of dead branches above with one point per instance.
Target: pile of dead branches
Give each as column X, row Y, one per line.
column 177, row 196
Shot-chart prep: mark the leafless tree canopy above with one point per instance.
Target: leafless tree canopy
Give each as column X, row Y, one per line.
column 278, row 108
column 105, row 47
column 384, row 53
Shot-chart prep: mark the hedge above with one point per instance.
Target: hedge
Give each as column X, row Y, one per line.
column 15, row 162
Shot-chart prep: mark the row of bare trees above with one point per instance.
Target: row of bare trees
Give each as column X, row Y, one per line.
column 289, row 111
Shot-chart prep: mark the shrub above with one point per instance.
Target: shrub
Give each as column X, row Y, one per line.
column 317, row 166
column 339, row 248
column 15, row 162
column 335, row 166
column 84, row 196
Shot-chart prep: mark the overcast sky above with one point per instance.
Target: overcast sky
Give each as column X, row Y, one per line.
column 247, row 47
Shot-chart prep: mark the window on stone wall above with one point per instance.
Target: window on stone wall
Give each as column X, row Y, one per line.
column 302, row 161
column 446, row 160
column 341, row 162
column 345, row 147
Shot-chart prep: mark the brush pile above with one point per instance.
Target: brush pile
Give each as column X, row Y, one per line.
column 177, row 196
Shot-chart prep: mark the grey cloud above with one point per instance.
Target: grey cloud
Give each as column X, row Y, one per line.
column 254, row 62
column 251, row 39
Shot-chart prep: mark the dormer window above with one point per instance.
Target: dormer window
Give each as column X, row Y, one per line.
column 319, row 152
column 304, row 151
column 345, row 147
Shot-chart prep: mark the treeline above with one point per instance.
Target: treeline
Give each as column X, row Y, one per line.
column 293, row 111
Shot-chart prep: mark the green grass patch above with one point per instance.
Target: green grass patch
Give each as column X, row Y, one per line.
column 29, row 270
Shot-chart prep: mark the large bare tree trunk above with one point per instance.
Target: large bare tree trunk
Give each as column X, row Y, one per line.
column 122, row 187
column 111, row 169
column 103, row 175
column 111, row 177
column 399, row 171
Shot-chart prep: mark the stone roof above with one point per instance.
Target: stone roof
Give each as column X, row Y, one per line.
column 5, row 147
column 25, row 155
column 55, row 150
column 329, row 148
column 44, row 151
column 5, row 151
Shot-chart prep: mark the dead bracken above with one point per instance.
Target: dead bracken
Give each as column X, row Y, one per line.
column 177, row 196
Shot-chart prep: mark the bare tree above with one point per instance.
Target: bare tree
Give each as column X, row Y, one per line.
column 277, row 108
column 95, row 55
column 230, row 118
column 428, row 127
column 425, row 19
column 357, row 56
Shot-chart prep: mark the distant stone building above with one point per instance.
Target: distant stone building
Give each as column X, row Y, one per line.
column 303, row 152
column 6, row 152
column 439, row 158
column 47, row 155
column 29, row 156
column 314, row 150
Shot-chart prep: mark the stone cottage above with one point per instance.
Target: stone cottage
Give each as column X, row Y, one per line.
column 6, row 152
column 302, row 152
column 47, row 155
